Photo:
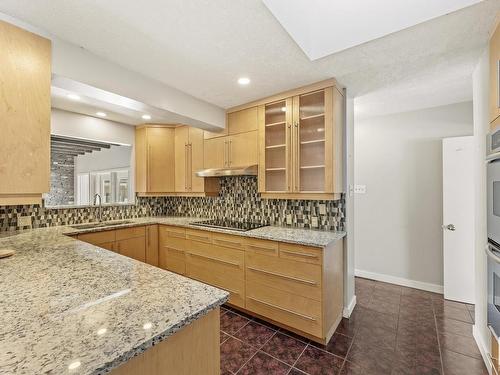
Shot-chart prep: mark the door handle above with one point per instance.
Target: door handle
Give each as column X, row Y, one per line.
column 449, row 227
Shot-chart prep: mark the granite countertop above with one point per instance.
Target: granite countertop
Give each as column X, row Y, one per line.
column 309, row 237
column 68, row 307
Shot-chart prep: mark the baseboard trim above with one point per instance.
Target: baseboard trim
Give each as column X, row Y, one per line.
column 349, row 308
column 483, row 349
column 400, row 281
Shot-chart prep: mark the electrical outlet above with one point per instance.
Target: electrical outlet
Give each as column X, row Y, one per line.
column 314, row 222
column 322, row 209
column 24, row 221
column 289, row 219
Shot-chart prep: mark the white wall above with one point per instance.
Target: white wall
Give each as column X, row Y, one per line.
column 397, row 223
column 480, row 88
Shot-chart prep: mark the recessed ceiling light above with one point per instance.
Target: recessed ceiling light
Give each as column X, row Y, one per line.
column 244, row 81
column 101, row 114
column 146, row 117
column 73, row 97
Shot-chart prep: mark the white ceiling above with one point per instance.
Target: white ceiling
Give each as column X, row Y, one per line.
column 335, row 25
column 203, row 46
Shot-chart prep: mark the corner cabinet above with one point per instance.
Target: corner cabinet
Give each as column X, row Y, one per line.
column 301, row 145
column 188, row 160
column 25, row 114
column 154, row 160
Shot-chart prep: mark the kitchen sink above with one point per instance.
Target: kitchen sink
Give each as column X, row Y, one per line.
column 100, row 224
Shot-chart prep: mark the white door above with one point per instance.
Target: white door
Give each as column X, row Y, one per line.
column 458, row 218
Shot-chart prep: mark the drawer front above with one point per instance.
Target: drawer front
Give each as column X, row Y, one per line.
column 215, row 275
column 123, row 234
column 98, row 238
column 172, row 260
column 217, row 256
column 133, row 247
column 108, row 246
column 199, row 235
column 263, row 247
column 300, row 253
column 287, row 275
column 227, row 240
column 295, row 311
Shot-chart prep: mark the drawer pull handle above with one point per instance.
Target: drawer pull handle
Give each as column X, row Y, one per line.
column 283, row 309
column 170, row 248
column 176, row 235
column 304, row 281
column 216, row 260
column 255, row 247
column 304, row 255
column 199, row 238
column 227, row 243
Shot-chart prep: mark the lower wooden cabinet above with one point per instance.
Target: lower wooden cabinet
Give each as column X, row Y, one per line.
column 172, row 247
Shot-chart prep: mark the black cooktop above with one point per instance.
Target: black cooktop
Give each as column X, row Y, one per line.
column 229, row 224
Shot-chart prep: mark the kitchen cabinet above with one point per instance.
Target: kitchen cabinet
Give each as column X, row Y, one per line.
column 152, row 239
column 25, row 79
column 301, row 145
column 236, row 150
column 189, row 156
column 172, row 247
column 240, row 121
column 155, row 160
column 495, row 74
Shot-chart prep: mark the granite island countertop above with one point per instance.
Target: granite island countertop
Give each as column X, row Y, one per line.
column 68, row 307
column 301, row 236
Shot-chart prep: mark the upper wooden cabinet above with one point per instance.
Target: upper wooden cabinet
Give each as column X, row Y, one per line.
column 232, row 151
column 155, row 159
column 301, row 145
column 25, row 76
column 241, row 121
column 188, row 160
column 495, row 74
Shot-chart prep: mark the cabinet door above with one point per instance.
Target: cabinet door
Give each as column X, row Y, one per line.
column 242, row 121
column 243, row 149
column 133, row 247
column 215, row 152
column 161, row 159
column 495, row 74
column 312, row 129
column 181, row 159
column 152, row 245
column 25, row 77
column 196, row 162
column 172, row 245
column 275, row 159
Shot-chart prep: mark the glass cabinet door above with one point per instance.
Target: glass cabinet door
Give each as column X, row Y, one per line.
column 310, row 142
column 277, row 145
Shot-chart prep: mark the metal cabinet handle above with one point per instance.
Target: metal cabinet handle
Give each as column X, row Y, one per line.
column 198, row 238
column 217, row 260
column 176, row 235
column 230, row 152
column 303, row 281
column 170, row 248
column 283, row 309
column 255, row 247
column 304, row 255
column 227, row 243
column 289, row 156
column 190, row 169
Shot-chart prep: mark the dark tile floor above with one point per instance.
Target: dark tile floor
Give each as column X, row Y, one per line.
column 393, row 331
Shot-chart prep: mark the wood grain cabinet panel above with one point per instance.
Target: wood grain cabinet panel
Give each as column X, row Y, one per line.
column 215, row 153
column 134, row 248
column 152, row 245
column 243, row 150
column 242, row 121
column 97, row 238
column 172, row 246
column 25, row 79
column 495, row 74
column 132, row 232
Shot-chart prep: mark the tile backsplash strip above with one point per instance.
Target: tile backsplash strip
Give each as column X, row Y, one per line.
column 48, row 217
column 237, row 200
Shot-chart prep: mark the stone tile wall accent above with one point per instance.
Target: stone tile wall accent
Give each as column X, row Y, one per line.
column 238, row 200
column 62, row 180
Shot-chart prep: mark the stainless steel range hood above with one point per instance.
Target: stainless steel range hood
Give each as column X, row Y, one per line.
column 250, row 170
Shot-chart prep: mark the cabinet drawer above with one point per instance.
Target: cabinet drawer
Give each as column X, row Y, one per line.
column 219, row 258
column 123, row 234
column 263, row 247
column 199, row 235
column 295, row 311
column 283, row 274
column 172, row 260
column 172, row 231
column 133, row 247
column 227, row 240
column 98, row 238
column 300, row 253
column 231, row 281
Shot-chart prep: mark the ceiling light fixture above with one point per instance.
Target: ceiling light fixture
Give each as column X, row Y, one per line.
column 73, row 97
column 146, row 117
column 244, row 81
column 101, row 114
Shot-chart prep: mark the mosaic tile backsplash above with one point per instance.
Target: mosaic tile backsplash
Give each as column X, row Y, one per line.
column 238, row 200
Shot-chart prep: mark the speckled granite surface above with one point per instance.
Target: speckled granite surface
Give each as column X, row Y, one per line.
column 67, row 307
column 300, row 236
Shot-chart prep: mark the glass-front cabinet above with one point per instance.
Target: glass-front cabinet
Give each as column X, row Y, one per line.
column 301, row 144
